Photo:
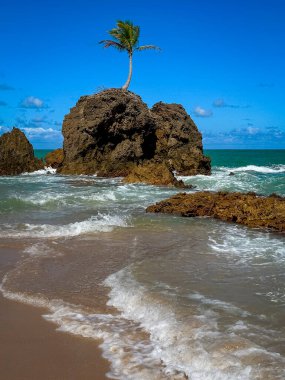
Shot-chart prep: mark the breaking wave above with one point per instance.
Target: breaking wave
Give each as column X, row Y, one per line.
column 99, row 223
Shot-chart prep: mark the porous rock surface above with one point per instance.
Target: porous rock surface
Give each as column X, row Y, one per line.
column 179, row 142
column 153, row 173
column 17, row 154
column 248, row 209
column 112, row 132
column 54, row 158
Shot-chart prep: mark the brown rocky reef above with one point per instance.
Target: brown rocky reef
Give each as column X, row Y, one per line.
column 17, row 154
column 112, row 132
column 248, row 209
column 153, row 173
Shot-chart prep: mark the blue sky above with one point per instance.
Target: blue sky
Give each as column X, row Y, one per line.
column 222, row 59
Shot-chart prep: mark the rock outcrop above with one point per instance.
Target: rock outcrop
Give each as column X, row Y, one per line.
column 153, row 173
column 112, row 132
column 17, row 154
column 248, row 209
column 54, row 158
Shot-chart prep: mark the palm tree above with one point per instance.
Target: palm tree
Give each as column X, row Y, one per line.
column 126, row 38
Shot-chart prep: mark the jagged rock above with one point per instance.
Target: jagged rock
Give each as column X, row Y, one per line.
column 178, row 140
column 153, row 173
column 54, row 158
column 17, row 154
column 112, row 132
column 248, row 209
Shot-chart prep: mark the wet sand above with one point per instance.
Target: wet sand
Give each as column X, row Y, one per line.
column 32, row 349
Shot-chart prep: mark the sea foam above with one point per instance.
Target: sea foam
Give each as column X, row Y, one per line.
column 246, row 246
column 99, row 223
column 46, row 171
column 147, row 340
column 194, row 347
column 260, row 169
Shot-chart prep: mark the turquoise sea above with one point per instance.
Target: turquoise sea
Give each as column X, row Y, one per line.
column 167, row 297
column 229, row 157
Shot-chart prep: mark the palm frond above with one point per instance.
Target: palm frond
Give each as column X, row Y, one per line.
column 108, row 43
column 148, row 47
column 126, row 37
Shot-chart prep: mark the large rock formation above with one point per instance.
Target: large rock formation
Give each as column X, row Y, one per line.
column 107, row 133
column 248, row 209
column 17, row 154
column 112, row 132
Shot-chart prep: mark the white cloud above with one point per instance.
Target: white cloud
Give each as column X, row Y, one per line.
column 42, row 133
column 32, row 102
column 202, row 112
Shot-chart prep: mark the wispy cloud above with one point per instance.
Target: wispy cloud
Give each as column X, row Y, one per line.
column 2, row 103
column 246, row 136
column 202, row 112
column 33, row 103
column 220, row 103
column 6, row 87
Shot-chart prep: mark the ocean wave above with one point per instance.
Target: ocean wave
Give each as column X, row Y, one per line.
column 120, row 337
column 194, row 346
column 246, row 246
column 132, row 354
column 275, row 169
column 99, row 223
column 218, row 304
column 147, row 341
column 260, row 179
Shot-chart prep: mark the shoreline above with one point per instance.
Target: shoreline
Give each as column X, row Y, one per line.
column 31, row 348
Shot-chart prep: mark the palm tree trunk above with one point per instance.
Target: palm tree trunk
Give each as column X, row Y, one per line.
column 126, row 85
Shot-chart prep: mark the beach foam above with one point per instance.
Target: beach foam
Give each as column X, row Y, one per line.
column 99, row 223
column 147, row 341
column 218, row 304
column 246, row 246
column 194, row 346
